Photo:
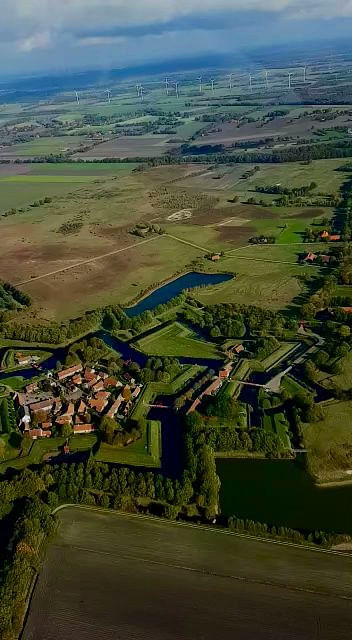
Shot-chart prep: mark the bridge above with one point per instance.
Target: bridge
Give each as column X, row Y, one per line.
column 157, row 406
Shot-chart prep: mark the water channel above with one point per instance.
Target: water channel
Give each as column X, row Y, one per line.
column 274, row 491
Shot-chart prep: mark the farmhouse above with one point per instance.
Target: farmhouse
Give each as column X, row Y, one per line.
column 310, row 257
column 238, row 348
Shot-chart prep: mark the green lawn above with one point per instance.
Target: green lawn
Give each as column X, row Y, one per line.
column 329, row 442
column 343, row 380
column 276, row 356
column 146, row 452
column 178, row 340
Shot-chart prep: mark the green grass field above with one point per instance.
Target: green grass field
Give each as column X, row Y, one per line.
column 43, row 146
column 146, row 452
column 177, row 340
column 329, row 442
column 276, row 356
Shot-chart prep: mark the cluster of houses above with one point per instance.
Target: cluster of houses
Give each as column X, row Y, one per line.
column 79, row 396
column 320, row 258
column 213, row 387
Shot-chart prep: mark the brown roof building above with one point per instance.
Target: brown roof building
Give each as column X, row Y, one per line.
column 67, row 373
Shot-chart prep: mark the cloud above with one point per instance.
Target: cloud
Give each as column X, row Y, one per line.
column 65, row 26
column 40, row 40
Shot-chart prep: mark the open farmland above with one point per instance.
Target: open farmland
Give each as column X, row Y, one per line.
column 177, row 340
column 290, row 125
column 41, row 147
column 119, row 576
column 131, row 147
column 77, row 252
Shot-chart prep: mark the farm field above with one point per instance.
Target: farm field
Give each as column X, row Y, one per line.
column 131, row 147
column 267, row 284
column 86, row 221
column 41, row 147
column 330, row 443
column 283, row 126
column 130, row 588
column 177, row 340
column 118, row 278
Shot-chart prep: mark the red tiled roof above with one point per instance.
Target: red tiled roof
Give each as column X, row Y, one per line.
column 65, row 373
column 110, row 382
column 44, row 405
column 83, row 428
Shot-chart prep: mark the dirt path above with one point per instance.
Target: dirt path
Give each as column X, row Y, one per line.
column 78, row 264
column 191, row 244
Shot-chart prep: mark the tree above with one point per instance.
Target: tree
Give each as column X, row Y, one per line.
column 344, row 331
column 108, row 427
column 66, row 430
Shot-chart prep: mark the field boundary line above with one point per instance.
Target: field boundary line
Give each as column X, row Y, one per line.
column 198, row 527
column 191, row 244
column 82, row 262
column 295, row 264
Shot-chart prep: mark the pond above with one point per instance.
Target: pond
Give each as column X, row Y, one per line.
column 166, row 292
column 281, row 492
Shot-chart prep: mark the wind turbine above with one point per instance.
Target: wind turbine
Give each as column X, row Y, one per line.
column 200, row 83
column 176, row 89
column 266, row 79
column 212, row 85
column 304, row 74
column 108, row 95
column 77, row 97
column 250, row 82
column 289, row 80
column 141, row 91
column 167, row 86
column 230, row 78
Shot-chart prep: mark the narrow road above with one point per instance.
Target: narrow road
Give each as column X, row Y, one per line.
column 79, row 264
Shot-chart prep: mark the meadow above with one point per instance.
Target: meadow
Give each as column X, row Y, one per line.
column 177, row 340
column 145, row 452
column 42, row 147
column 329, row 443
column 134, row 569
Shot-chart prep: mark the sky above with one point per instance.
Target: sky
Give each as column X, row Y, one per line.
column 67, row 35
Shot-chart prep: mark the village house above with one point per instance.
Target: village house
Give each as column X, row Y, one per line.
column 30, row 388
column 346, row 309
column 67, row 373
column 214, row 257
column 324, row 258
column 115, row 407
column 310, row 257
column 44, row 405
column 83, row 428
column 38, row 433
column 225, row 372
column 213, row 387
column 238, row 348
